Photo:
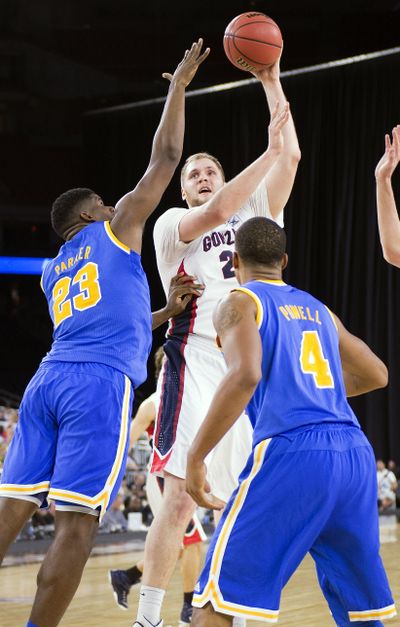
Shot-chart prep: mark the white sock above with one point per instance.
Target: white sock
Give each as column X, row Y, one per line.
column 150, row 601
column 238, row 621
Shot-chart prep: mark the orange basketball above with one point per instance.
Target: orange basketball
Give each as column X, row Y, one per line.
column 252, row 41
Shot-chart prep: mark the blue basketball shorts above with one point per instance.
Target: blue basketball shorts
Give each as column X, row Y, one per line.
column 310, row 490
column 71, row 439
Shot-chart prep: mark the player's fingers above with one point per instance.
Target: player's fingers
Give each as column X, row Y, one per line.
column 185, row 299
column 184, row 278
column 193, row 288
column 275, row 110
column 193, row 52
column 167, row 75
column 203, row 56
column 387, row 142
column 396, row 138
column 201, row 498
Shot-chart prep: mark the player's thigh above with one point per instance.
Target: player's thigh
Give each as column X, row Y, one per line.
column 93, row 436
column 29, row 462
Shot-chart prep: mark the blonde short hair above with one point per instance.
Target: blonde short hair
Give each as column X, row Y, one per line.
column 201, row 155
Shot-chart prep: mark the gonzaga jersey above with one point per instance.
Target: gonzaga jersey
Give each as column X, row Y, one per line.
column 209, row 258
column 302, row 381
column 99, row 303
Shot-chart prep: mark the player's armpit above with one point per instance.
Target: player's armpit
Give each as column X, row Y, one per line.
column 363, row 371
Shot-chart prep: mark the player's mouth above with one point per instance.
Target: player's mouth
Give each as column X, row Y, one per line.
column 205, row 190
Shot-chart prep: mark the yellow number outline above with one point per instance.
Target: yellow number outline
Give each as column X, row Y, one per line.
column 62, row 308
column 313, row 361
column 89, row 293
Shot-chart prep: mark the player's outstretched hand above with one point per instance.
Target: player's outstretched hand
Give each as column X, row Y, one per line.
column 187, row 68
column 198, row 487
column 270, row 72
column 181, row 289
column 279, row 118
column 391, row 157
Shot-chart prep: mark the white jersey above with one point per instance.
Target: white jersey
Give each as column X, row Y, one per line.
column 209, row 258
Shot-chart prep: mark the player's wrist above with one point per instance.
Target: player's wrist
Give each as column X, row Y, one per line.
column 178, row 82
column 383, row 177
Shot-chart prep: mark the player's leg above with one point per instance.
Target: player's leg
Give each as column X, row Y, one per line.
column 163, row 544
column 208, row 617
column 285, row 497
column 187, row 381
column 122, row 580
column 93, row 405
column 350, row 570
column 191, row 563
column 335, row 602
column 62, row 568
column 14, row 513
column 29, row 461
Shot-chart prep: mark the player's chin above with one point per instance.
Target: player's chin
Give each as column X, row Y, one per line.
column 202, row 198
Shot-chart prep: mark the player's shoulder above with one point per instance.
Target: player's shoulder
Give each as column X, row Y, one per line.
column 170, row 216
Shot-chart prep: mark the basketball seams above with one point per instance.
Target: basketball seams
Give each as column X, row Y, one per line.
column 246, row 56
column 258, row 41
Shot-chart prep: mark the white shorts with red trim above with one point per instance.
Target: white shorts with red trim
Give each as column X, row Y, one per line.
column 186, row 387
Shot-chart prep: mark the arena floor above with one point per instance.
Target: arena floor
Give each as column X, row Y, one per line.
column 302, row 602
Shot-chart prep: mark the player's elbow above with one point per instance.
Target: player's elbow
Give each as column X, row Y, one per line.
column 217, row 213
column 392, row 255
column 248, row 377
column 168, row 150
column 381, row 376
column 295, row 156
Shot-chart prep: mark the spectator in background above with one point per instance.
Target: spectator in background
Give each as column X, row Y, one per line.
column 387, row 486
column 394, row 468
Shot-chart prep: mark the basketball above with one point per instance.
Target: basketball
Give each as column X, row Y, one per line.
column 252, row 41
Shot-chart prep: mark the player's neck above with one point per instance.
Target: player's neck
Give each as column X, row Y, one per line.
column 260, row 274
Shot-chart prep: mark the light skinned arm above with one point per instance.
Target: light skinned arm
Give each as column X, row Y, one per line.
column 280, row 178
column 235, row 323
column 181, row 289
column 363, row 371
column 145, row 415
column 232, row 196
column 388, row 217
column 135, row 207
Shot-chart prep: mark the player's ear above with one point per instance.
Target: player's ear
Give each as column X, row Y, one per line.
column 235, row 260
column 183, row 193
column 86, row 217
column 285, row 261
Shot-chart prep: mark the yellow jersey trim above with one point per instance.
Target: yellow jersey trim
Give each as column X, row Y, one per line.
column 115, row 239
column 25, row 489
column 272, row 281
column 254, row 297
column 384, row 612
column 333, row 317
column 211, row 591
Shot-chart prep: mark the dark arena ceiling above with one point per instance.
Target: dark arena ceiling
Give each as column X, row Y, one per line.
column 61, row 58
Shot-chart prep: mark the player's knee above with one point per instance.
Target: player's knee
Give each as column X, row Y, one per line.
column 180, row 506
column 77, row 532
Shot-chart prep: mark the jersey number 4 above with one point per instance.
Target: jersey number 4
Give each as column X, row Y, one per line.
column 313, row 362
column 88, row 296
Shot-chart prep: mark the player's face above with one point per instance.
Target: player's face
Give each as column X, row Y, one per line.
column 201, row 180
column 98, row 210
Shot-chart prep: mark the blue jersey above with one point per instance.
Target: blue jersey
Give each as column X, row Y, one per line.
column 302, row 380
column 99, row 303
